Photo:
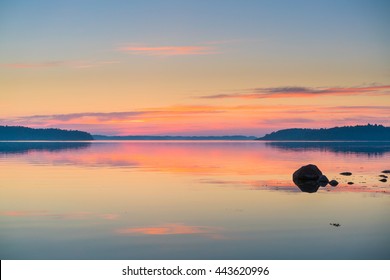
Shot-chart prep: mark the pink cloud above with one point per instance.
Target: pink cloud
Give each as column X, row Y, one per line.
column 288, row 92
column 109, row 216
column 49, row 64
column 168, row 50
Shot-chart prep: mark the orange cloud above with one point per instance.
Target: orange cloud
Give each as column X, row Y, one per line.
column 168, row 50
column 208, row 119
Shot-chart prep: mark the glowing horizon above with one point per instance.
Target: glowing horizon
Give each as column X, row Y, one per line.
column 174, row 68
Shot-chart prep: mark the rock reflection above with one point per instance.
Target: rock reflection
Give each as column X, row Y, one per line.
column 307, row 186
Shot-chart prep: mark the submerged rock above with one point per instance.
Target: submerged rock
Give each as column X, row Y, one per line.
column 333, row 183
column 346, row 173
column 383, row 180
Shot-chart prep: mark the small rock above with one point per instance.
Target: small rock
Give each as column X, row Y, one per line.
column 383, row 176
column 323, row 181
column 350, row 183
column 335, row 224
column 346, row 173
column 333, row 183
column 386, row 171
column 383, row 180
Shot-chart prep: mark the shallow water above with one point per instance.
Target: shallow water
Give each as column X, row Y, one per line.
column 191, row 200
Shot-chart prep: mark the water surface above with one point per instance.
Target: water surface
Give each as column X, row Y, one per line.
column 191, row 200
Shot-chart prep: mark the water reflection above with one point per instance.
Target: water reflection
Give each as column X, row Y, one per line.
column 25, row 147
column 188, row 200
column 307, row 186
column 362, row 148
column 252, row 165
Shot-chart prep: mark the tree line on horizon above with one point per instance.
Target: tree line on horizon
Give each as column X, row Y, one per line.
column 369, row 132
column 50, row 134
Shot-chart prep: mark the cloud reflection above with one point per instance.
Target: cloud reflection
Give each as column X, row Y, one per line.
column 172, row 229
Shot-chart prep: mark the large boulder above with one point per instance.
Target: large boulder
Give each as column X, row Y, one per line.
column 307, row 172
column 307, row 178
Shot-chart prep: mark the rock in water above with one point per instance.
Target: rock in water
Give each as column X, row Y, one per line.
column 346, row 173
column 383, row 176
column 386, row 171
column 307, row 172
column 306, row 178
column 383, row 180
column 323, row 181
column 350, row 183
column 333, row 183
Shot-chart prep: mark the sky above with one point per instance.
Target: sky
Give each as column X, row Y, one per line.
column 148, row 67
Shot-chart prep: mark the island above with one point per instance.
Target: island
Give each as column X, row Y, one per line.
column 369, row 132
column 21, row 133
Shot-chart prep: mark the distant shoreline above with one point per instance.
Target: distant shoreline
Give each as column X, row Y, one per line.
column 346, row 133
column 167, row 137
column 204, row 140
column 359, row 133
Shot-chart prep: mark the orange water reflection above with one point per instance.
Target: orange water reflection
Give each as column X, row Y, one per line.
column 187, row 200
column 251, row 164
column 172, row 229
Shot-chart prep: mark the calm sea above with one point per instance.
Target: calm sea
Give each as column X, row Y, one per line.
column 191, row 200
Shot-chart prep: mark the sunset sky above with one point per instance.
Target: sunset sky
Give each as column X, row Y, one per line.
column 177, row 67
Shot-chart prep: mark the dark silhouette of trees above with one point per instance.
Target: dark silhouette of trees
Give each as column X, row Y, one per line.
column 346, row 133
column 50, row 134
